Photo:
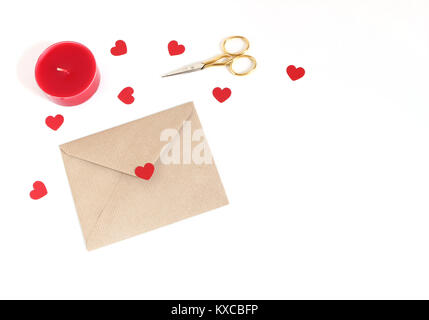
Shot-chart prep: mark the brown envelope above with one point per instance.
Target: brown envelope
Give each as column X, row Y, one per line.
column 113, row 203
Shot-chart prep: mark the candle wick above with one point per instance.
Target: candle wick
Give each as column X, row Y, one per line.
column 63, row 70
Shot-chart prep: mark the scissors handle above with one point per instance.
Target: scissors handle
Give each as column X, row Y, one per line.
column 228, row 58
column 246, row 72
column 237, row 53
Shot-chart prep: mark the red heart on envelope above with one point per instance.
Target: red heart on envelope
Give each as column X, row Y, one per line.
column 54, row 122
column 295, row 73
column 145, row 172
column 39, row 190
column 175, row 49
column 126, row 95
column 221, row 94
column 119, row 49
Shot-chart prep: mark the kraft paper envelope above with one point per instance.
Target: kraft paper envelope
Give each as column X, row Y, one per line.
column 113, row 203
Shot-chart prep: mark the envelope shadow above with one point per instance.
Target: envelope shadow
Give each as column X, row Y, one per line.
column 26, row 65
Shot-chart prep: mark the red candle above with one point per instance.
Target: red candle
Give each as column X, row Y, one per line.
column 67, row 73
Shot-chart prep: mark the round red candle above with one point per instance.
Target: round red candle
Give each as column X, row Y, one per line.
column 67, row 73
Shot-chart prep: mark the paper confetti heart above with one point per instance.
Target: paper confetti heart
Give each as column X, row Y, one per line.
column 39, row 190
column 54, row 122
column 145, row 172
column 175, row 49
column 126, row 95
column 119, row 49
column 221, row 95
column 295, row 73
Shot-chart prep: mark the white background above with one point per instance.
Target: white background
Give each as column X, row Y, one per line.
column 327, row 176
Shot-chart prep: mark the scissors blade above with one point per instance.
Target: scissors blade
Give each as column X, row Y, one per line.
column 186, row 69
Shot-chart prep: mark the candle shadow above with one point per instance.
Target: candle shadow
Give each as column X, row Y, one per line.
column 26, row 64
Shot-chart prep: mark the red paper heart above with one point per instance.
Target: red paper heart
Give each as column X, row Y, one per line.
column 119, row 49
column 175, row 49
column 295, row 73
column 54, row 122
column 39, row 190
column 126, row 95
column 221, row 94
column 145, row 172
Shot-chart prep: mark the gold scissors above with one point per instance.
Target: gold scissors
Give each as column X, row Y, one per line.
column 227, row 59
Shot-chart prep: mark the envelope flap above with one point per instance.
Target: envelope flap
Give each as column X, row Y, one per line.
column 132, row 144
